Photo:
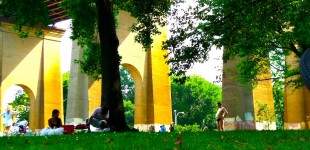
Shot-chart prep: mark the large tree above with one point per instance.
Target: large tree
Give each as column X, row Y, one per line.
column 94, row 27
column 102, row 60
column 255, row 31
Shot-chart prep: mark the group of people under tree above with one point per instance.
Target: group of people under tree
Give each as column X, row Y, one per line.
column 100, row 116
column 99, row 119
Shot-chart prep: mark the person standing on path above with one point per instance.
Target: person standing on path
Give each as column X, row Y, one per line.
column 8, row 118
column 220, row 115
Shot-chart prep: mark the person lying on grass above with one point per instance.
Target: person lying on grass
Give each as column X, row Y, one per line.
column 99, row 118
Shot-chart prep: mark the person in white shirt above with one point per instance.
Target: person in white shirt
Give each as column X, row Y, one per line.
column 220, row 115
column 99, row 118
column 8, row 118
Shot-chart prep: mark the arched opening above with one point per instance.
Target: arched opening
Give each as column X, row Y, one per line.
column 128, row 87
column 131, row 84
column 19, row 98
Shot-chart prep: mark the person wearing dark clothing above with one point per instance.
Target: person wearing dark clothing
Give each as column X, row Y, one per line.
column 171, row 128
column 55, row 121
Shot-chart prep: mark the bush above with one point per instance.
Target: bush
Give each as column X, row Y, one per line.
column 187, row 128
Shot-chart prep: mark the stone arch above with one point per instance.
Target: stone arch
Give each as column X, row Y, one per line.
column 140, row 109
column 34, row 64
column 153, row 96
column 33, row 107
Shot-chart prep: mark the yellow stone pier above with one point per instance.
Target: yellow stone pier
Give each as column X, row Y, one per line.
column 296, row 102
column 242, row 103
column 34, row 64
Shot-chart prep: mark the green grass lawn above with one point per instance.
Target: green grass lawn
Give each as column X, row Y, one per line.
column 229, row 140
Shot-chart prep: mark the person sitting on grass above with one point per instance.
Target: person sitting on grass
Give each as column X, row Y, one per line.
column 162, row 128
column 55, row 121
column 99, row 118
column 22, row 125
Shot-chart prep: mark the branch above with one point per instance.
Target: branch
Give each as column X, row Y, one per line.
column 264, row 79
column 294, row 49
column 277, row 68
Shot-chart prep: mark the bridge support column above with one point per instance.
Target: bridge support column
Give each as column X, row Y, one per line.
column 242, row 103
column 77, row 104
column 296, row 101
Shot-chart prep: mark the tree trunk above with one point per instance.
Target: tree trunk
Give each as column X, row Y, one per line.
column 111, row 87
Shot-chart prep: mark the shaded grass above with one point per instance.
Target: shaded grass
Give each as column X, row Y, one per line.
column 229, row 140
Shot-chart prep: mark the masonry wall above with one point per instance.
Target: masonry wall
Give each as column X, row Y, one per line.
column 33, row 64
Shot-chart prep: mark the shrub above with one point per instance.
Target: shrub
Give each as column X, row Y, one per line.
column 187, row 128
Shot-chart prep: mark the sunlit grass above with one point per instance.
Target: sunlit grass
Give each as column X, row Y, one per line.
column 299, row 139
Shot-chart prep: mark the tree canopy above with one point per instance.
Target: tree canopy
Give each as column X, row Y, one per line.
column 35, row 14
column 21, row 104
column 127, row 84
column 197, row 98
column 251, row 30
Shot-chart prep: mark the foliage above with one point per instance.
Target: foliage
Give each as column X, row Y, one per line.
column 248, row 29
column 149, row 15
column 129, row 112
column 127, row 84
column 25, row 16
column 278, row 97
column 265, row 115
column 187, row 128
column 21, row 104
column 197, row 98
column 84, row 28
column 278, row 88
column 241, row 140
column 65, row 88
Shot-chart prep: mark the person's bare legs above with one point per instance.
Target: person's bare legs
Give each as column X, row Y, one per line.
column 222, row 124
column 218, row 125
column 7, row 128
